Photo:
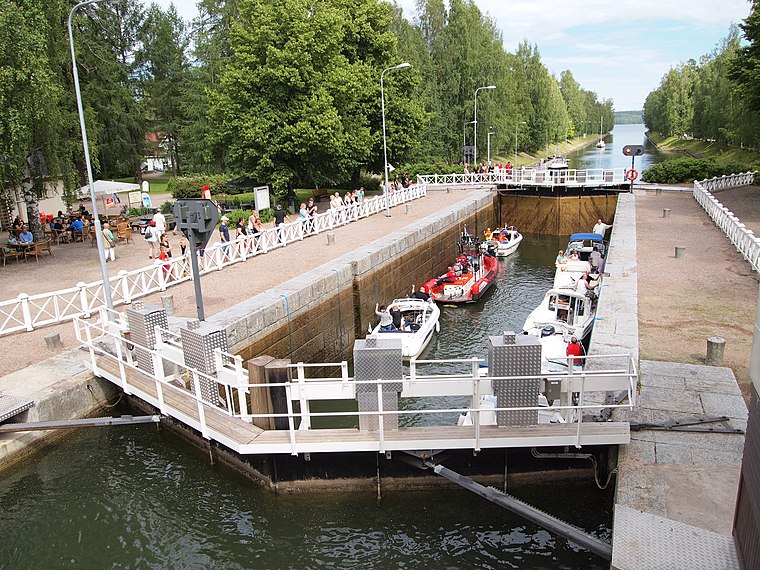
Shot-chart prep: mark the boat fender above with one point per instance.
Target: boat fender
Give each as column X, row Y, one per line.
column 437, row 327
column 548, row 330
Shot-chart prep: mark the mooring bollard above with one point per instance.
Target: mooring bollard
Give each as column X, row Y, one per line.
column 408, row 208
column 658, row 192
column 53, row 341
column 716, row 345
column 167, row 302
column 666, row 212
column 680, row 250
column 330, row 238
column 448, row 190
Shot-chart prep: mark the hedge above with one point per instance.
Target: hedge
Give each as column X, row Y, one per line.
column 691, row 169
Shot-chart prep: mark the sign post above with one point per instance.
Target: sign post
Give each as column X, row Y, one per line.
column 632, row 150
column 197, row 220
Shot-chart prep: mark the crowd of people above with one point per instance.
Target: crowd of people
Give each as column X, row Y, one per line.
column 485, row 168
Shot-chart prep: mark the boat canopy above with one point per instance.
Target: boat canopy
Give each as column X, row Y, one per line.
column 586, row 236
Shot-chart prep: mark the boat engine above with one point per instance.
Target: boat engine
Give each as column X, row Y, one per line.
column 548, row 330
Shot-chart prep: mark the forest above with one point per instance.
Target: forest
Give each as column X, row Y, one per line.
column 716, row 98
column 282, row 91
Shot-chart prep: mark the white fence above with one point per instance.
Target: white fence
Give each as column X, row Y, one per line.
column 744, row 239
column 29, row 312
column 111, row 357
column 592, row 178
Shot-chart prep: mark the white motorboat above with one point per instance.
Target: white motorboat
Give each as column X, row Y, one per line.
column 504, row 241
column 419, row 321
column 562, row 314
column 568, row 272
column 584, row 243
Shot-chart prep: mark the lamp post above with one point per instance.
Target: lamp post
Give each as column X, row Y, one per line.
column 98, row 232
column 464, row 141
column 517, row 125
column 385, row 142
column 475, row 159
column 490, row 132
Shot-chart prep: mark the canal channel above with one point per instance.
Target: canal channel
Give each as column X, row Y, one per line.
column 137, row 497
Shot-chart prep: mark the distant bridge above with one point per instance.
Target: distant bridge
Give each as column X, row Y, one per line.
column 535, row 178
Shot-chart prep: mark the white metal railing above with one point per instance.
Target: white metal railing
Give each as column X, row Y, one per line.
column 29, row 312
column 594, row 177
column 104, row 339
column 743, row 238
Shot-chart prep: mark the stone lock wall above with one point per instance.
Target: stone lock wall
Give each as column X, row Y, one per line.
column 317, row 316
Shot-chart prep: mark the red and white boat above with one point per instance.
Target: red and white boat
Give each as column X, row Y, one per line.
column 470, row 275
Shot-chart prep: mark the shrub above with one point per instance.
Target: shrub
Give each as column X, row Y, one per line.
column 235, row 215
column 186, row 187
column 166, row 207
column 691, row 169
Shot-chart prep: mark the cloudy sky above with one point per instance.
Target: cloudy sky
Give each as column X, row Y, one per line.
column 618, row 48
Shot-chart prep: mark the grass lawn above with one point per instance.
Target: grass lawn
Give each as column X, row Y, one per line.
column 157, row 182
column 705, row 149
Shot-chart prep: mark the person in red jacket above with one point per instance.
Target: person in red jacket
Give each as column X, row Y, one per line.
column 574, row 348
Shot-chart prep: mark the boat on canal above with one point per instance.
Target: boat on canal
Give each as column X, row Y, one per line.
column 584, row 243
column 469, row 277
column 504, row 241
column 563, row 313
column 419, row 320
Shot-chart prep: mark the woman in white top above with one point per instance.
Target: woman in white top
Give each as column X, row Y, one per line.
column 386, row 320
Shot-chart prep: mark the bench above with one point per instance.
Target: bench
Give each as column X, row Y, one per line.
column 320, row 193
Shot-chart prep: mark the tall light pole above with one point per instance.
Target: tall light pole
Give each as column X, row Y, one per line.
column 490, row 132
column 464, row 141
column 98, row 231
column 385, row 142
column 517, row 125
column 475, row 159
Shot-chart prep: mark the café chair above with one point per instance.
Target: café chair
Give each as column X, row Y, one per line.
column 9, row 253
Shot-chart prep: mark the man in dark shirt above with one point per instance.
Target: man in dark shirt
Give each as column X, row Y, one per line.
column 279, row 218
column 421, row 294
column 224, row 231
column 396, row 316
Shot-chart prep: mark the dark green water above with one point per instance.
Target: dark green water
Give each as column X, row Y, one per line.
column 133, row 497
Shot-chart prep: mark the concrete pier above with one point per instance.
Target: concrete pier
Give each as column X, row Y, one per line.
column 675, row 490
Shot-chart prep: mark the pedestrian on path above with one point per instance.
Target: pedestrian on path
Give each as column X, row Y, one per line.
column 151, row 236
column 109, row 243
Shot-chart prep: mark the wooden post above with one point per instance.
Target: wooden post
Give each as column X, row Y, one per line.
column 259, row 400
column 715, row 348
column 277, row 372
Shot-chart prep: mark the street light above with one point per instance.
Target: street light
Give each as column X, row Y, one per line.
column 517, row 125
column 98, row 232
column 490, row 132
column 475, row 160
column 385, row 143
column 464, row 141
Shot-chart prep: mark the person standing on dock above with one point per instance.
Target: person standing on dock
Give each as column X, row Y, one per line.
column 600, row 227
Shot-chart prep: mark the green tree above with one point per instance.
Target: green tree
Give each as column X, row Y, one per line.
column 36, row 126
column 299, row 101
column 161, row 64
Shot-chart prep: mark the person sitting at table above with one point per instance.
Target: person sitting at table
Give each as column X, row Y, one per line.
column 77, row 226
column 25, row 236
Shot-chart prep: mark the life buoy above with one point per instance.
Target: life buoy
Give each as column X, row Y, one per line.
column 631, row 174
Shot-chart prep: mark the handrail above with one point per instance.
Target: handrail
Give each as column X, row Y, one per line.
column 593, row 177
column 99, row 335
column 743, row 238
column 28, row 312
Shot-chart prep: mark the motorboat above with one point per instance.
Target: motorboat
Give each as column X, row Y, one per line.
column 583, row 243
column 556, row 163
column 487, row 410
column 568, row 271
column 420, row 319
column 504, row 241
column 470, row 276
